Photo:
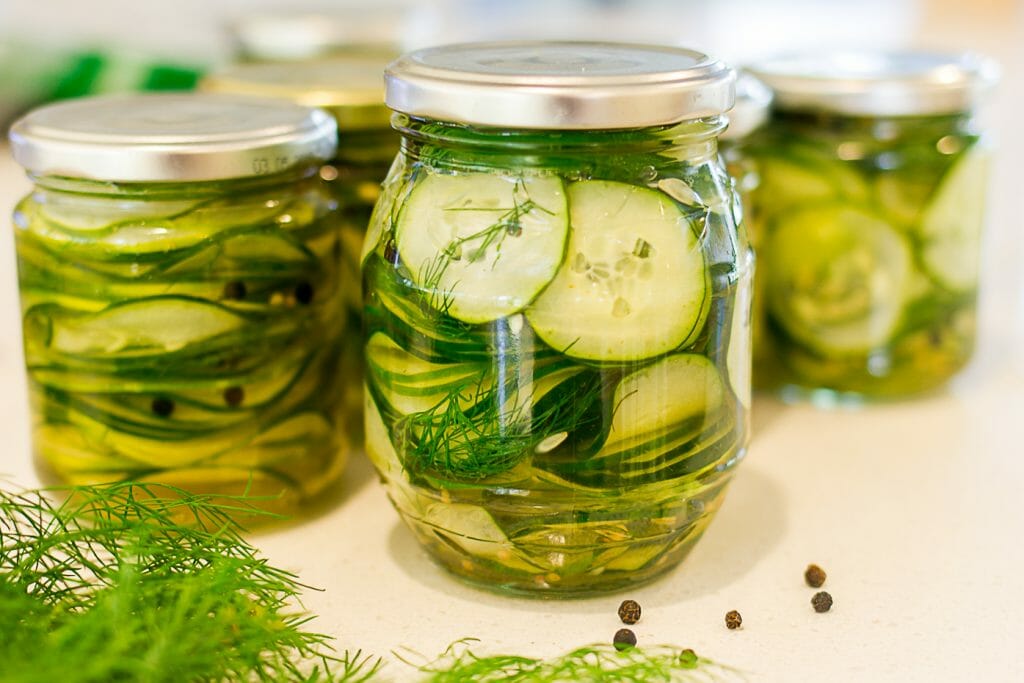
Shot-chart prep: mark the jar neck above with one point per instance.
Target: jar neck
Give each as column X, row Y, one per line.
column 174, row 189
column 896, row 129
column 441, row 142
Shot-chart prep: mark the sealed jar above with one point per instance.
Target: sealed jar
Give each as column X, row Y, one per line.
column 873, row 178
column 179, row 273
column 556, row 360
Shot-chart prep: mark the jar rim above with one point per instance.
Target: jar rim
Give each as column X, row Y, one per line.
column 878, row 83
column 171, row 137
column 559, row 85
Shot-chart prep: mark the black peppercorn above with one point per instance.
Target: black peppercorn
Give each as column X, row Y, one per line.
column 234, row 396
column 822, row 602
column 629, row 611
column 391, row 252
column 234, row 290
column 624, row 638
column 733, row 620
column 814, row 576
column 162, row 406
column 304, row 292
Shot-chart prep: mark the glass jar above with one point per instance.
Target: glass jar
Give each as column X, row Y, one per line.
column 750, row 112
column 351, row 89
column 179, row 272
column 553, row 285
column 871, row 202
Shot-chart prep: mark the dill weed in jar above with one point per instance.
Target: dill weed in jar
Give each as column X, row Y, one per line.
column 871, row 203
column 180, row 293
column 551, row 280
column 351, row 89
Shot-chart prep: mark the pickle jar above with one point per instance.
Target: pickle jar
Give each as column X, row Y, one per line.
column 351, row 89
column 556, row 360
column 873, row 178
column 179, row 273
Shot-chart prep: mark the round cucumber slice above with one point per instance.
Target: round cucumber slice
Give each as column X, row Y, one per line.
column 952, row 224
column 482, row 246
column 835, row 278
column 634, row 283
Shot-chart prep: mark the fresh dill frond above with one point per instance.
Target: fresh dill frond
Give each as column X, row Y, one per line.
column 589, row 664
column 108, row 584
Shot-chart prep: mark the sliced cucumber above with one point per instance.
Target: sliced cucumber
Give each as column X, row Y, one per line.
column 669, row 392
column 481, row 245
column 167, row 323
column 800, row 177
column 951, row 225
column 412, row 385
column 835, row 277
column 634, row 283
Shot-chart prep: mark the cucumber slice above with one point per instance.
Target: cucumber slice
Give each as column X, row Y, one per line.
column 412, row 385
column 166, row 323
column 952, row 224
column 634, row 284
column 482, row 246
column 799, row 177
column 835, row 278
column 669, row 392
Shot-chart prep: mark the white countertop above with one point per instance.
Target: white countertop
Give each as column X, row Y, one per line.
column 914, row 509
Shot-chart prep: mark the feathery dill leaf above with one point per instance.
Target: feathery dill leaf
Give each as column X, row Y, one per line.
column 588, row 664
column 110, row 585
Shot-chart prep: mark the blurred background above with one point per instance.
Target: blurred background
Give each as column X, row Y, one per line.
column 51, row 49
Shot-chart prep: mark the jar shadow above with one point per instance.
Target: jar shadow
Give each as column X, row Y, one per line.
column 749, row 525
column 764, row 412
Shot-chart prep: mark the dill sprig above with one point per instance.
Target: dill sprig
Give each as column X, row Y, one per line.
column 473, row 247
column 486, row 427
column 134, row 582
column 591, row 663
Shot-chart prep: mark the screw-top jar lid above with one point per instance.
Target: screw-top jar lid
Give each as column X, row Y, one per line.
column 559, row 85
column 879, row 83
column 753, row 104
column 350, row 88
column 170, row 137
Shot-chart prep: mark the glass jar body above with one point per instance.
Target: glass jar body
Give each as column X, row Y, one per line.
column 186, row 333
column 868, row 234
column 557, row 349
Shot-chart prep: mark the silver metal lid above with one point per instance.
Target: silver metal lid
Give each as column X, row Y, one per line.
column 753, row 105
column 350, row 88
column 170, row 137
column 879, row 83
column 559, row 85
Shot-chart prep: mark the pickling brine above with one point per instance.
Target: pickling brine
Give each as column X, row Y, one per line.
column 557, row 348
column 868, row 228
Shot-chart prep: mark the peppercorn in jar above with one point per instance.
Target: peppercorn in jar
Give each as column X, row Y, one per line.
column 180, row 282
column 552, row 280
column 870, row 207
column 351, row 89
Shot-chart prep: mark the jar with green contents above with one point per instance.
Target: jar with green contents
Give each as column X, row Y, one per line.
column 749, row 114
column 871, row 200
column 553, row 281
column 351, row 89
column 179, row 273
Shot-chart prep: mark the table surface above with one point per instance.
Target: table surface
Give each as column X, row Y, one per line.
column 913, row 508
